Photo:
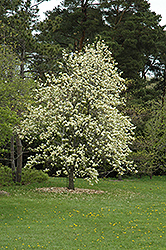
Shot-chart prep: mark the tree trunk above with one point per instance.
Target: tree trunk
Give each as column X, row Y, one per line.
column 119, row 177
column 19, row 159
column 71, row 178
column 22, row 61
column 84, row 6
column 164, row 87
column 12, row 158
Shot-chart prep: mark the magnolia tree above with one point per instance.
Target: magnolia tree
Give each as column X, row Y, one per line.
column 76, row 118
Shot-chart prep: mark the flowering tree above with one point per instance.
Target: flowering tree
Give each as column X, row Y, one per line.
column 76, row 118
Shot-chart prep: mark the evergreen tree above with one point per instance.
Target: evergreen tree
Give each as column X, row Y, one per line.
column 67, row 26
column 130, row 29
column 133, row 34
column 17, row 27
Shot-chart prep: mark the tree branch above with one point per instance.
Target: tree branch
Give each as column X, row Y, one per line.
column 37, row 4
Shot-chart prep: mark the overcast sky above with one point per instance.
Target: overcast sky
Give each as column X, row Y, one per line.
column 159, row 6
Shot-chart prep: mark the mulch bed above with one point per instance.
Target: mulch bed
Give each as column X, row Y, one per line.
column 4, row 192
column 66, row 190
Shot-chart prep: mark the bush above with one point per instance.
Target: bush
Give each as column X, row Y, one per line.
column 5, row 176
column 28, row 176
column 33, row 175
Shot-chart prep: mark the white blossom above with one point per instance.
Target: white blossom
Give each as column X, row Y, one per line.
column 76, row 117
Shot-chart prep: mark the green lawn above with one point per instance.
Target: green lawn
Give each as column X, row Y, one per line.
column 130, row 215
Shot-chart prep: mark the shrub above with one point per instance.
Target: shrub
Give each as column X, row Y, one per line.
column 33, row 175
column 28, row 176
column 5, row 176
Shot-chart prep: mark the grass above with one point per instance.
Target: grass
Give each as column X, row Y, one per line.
column 130, row 215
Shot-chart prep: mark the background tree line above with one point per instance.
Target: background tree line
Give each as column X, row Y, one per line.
column 31, row 48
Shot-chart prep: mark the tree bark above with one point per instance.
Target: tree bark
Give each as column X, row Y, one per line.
column 18, row 141
column 22, row 61
column 84, row 19
column 12, row 158
column 119, row 177
column 71, row 178
column 164, row 87
column 19, row 159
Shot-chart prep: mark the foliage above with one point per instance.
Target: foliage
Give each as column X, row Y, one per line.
column 28, row 176
column 133, row 34
column 68, row 26
column 76, row 21
column 76, row 117
column 151, row 146
column 5, row 176
column 7, row 120
column 32, row 176
column 14, row 91
column 17, row 27
column 45, row 59
column 132, row 31
column 144, row 101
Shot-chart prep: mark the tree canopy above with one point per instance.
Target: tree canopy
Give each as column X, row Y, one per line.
column 132, row 31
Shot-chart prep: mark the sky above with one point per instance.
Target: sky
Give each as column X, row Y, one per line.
column 158, row 6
